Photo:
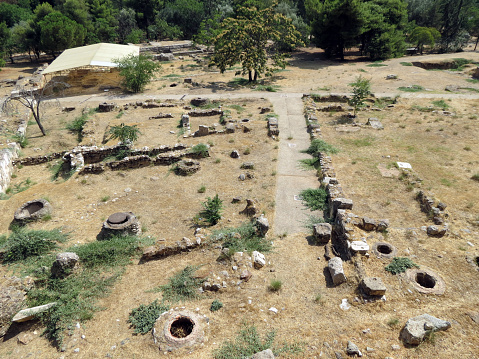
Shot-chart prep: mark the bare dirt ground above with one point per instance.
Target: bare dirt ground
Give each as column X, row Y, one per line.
column 442, row 150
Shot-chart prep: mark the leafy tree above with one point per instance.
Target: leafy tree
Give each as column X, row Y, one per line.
column 12, row 14
column 6, row 44
column 33, row 30
column 336, row 24
column 162, row 30
column 244, row 40
column 187, row 14
column 126, row 24
column 104, row 21
column 382, row 33
column 424, row 36
column 125, row 134
column 145, row 11
column 361, row 90
column 58, row 33
column 424, row 12
column 454, row 23
column 137, row 71
column 473, row 24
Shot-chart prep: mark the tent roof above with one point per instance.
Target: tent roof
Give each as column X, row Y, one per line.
column 101, row 54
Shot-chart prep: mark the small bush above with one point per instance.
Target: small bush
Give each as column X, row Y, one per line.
column 24, row 243
column 125, row 134
column 241, row 239
column 212, row 210
column 318, row 146
column 246, row 343
column 393, row 322
column 314, row 199
column 247, row 151
column 182, row 286
column 275, row 285
column 406, row 63
column 202, row 189
column 21, row 139
column 144, row 317
column 412, row 88
column 216, row 305
column 441, row 104
column 109, row 253
column 475, row 177
column 61, row 169
column 399, row 265
column 200, row 150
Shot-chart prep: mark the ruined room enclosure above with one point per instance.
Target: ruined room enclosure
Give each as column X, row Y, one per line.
column 164, row 202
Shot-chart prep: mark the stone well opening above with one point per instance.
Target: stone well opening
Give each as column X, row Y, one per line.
column 384, row 249
column 425, row 280
column 118, row 218
column 182, row 327
column 34, row 207
column 476, row 260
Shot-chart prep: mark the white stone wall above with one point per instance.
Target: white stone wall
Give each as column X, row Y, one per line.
column 6, row 167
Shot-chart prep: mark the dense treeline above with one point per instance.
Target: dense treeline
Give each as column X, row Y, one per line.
column 380, row 28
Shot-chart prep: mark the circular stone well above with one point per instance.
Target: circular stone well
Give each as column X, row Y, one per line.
column 123, row 223
column 384, row 250
column 426, row 281
column 33, row 210
column 175, row 330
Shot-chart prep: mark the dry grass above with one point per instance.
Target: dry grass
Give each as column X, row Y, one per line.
column 165, row 203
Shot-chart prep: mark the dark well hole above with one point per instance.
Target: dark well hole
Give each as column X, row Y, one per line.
column 34, row 207
column 181, row 327
column 384, row 249
column 425, row 280
column 477, row 260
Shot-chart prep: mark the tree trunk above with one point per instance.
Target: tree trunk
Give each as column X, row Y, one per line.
column 250, row 77
column 255, row 75
column 477, row 40
column 37, row 119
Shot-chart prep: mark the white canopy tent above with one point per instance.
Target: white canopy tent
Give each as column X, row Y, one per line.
column 97, row 55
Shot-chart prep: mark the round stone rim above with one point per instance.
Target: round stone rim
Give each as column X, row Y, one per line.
column 118, row 218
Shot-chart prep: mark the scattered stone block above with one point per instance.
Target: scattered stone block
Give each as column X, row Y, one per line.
column 106, row 107
column 200, row 101
column 335, row 266
column 187, row 167
column 248, row 166
column 12, row 296
column 203, row 131
column 404, row 165
column 353, row 350
column 369, row 224
column 64, row 264
column 322, row 232
column 375, row 123
column 391, row 77
column 265, row 354
column 416, row 328
column 250, row 209
column 436, row 231
column 246, row 275
column 29, row 313
column 234, row 154
column 383, row 225
column 373, row 286
column 230, row 128
column 262, row 225
column 359, row 247
column 259, row 260
column 340, row 203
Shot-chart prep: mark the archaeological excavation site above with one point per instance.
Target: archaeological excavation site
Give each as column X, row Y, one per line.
column 206, row 217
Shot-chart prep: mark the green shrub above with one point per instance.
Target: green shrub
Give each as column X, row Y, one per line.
column 406, row 63
column 314, row 198
column 21, row 139
column 475, row 177
column 137, row 71
column 318, row 146
column 124, row 133
column 241, row 239
column 144, row 317
column 61, row 169
column 441, row 104
column 182, row 286
column 246, row 343
column 24, row 243
column 109, row 253
column 200, row 150
column 216, row 305
column 275, row 285
column 412, row 88
column 399, row 265
column 212, row 210
column 202, row 189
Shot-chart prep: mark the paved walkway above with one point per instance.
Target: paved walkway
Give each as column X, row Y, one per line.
column 291, row 179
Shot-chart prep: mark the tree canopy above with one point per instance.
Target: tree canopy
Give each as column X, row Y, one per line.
column 244, row 39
